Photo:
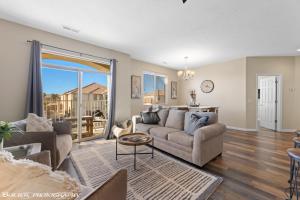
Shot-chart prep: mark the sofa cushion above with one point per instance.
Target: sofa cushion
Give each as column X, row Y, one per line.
column 162, row 132
column 140, row 127
column 163, row 115
column 181, row 138
column 176, row 119
column 212, row 118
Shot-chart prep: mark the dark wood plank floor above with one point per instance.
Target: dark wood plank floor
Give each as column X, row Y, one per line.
column 253, row 165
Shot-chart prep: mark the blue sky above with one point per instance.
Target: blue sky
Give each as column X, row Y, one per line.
column 59, row 81
column 149, row 83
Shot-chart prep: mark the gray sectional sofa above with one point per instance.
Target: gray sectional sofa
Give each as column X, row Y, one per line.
column 170, row 135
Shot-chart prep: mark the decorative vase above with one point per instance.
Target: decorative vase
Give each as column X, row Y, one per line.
column 193, row 97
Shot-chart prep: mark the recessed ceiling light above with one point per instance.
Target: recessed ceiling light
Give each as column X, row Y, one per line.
column 164, row 62
column 298, row 50
column 68, row 28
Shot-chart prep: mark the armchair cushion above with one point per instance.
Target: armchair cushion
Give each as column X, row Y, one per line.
column 63, row 146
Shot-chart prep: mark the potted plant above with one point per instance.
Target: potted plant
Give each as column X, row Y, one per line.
column 6, row 130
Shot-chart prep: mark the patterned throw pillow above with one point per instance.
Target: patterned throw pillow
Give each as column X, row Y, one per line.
column 38, row 124
column 196, row 122
column 150, row 118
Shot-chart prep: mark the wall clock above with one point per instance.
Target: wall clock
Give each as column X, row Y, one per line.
column 207, row 86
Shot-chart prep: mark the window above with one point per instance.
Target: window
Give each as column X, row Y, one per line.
column 154, row 89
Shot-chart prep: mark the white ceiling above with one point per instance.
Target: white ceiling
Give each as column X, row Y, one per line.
column 155, row 31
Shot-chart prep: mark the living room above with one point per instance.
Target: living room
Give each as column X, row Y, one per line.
column 209, row 90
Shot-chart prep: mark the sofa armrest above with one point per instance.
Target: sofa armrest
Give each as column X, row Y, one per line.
column 136, row 119
column 208, row 132
column 115, row 188
column 208, row 143
column 47, row 139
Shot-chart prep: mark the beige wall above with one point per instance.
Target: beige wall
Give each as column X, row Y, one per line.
column 283, row 66
column 229, row 93
column 231, row 79
column 138, row 68
column 297, row 93
column 235, row 89
column 14, row 62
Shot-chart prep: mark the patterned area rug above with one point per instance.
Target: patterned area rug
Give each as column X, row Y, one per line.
column 162, row 177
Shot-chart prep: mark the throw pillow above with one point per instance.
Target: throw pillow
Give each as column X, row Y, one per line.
column 196, row 122
column 62, row 127
column 150, row 118
column 27, row 177
column 21, row 124
column 38, row 124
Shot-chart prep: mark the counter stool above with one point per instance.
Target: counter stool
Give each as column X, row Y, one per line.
column 296, row 141
column 294, row 154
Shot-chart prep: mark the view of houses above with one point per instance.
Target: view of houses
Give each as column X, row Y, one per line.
column 94, row 107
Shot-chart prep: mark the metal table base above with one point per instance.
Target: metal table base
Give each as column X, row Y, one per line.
column 134, row 152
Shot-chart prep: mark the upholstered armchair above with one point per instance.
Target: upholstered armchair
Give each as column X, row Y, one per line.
column 58, row 142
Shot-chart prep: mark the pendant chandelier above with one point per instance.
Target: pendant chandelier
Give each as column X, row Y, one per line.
column 186, row 74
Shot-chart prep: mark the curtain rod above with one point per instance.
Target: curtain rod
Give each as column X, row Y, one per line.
column 103, row 58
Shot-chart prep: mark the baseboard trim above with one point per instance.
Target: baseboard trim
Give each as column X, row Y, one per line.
column 241, row 129
column 287, row 130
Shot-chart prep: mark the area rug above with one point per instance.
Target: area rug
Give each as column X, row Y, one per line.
column 162, row 177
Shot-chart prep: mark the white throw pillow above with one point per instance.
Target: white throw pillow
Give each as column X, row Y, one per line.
column 38, row 124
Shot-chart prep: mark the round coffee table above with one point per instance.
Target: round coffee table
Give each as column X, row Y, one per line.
column 134, row 139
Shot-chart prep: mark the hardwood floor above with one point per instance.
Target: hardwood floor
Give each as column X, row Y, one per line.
column 253, row 165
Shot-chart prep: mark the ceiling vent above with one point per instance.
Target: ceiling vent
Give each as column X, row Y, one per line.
column 68, row 28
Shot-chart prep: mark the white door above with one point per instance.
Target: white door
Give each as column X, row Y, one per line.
column 267, row 102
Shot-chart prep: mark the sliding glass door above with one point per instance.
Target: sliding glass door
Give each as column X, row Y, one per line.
column 76, row 93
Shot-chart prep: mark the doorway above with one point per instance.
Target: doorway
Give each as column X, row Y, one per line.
column 76, row 90
column 269, row 102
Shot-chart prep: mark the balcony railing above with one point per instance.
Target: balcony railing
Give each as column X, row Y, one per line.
column 94, row 115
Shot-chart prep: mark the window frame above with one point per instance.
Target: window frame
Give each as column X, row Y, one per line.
column 165, row 85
